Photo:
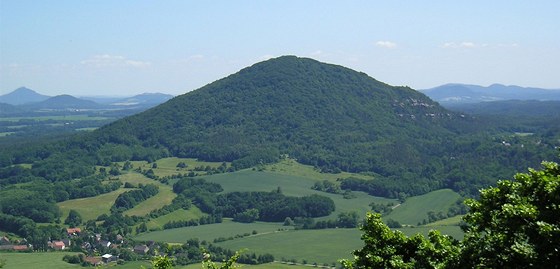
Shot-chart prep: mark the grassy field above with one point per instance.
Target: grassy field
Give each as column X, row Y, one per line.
column 57, row 118
column 181, row 214
column 454, row 231
column 415, row 209
column 292, row 186
column 168, row 166
column 90, row 208
column 36, row 260
column 276, row 265
column 320, row 246
column 293, row 168
column 164, row 196
column 210, row 232
column 453, row 221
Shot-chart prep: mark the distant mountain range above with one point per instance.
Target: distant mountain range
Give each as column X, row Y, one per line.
column 465, row 93
column 27, row 100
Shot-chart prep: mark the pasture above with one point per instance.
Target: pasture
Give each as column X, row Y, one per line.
column 210, row 232
column 37, row 260
column 320, row 246
column 275, row 265
column 292, row 168
column 416, row 208
column 164, row 196
column 91, row 207
column 180, row 214
column 293, row 186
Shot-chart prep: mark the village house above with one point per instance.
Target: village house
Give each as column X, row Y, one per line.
column 141, row 249
column 107, row 258
column 73, row 231
column 57, row 245
column 14, row 247
column 105, row 243
column 67, row 242
column 4, row 240
column 20, row 247
column 94, row 261
column 120, row 239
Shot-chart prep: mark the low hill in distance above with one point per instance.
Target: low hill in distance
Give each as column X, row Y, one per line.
column 513, row 108
column 22, row 96
column 63, row 102
column 465, row 93
column 143, row 99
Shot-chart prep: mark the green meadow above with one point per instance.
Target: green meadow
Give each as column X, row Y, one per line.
column 210, row 232
column 36, row 260
column 415, row 209
column 91, row 207
column 286, row 244
column 293, row 185
column 180, row 214
column 56, row 118
column 274, row 265
column 320, row 246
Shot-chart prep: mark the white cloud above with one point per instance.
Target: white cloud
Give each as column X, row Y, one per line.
column 386, row 44
column 107, row 60
column 466, row 45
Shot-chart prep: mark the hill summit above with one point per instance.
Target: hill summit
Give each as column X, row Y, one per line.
column 322, row 114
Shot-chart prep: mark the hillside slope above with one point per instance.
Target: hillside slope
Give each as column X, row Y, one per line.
column 321, row 114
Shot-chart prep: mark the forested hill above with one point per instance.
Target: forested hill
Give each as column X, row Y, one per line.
column 321, row 114
column 328, row 116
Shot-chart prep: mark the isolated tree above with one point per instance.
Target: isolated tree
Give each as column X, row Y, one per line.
column 74, row 218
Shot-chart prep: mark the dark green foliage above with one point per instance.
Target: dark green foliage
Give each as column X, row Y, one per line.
column 512, row 225
column 385, row 248
column 382, row 209
column 195, row 184
column 21, row 226
column 247, row 216
column 129, row 199
column 516, row 224
column 391, row 223
column 347, row 220
column 30, row 203
column 181, row 165
column 74, row 219
column 274, row 206
column 326, row 186
column 74, row 259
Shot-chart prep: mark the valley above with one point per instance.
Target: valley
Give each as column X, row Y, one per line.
column 266, row 160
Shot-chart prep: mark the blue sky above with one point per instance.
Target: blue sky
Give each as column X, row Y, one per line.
column 130, row 47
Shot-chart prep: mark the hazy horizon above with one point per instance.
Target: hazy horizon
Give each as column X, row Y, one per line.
column 124, row 48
